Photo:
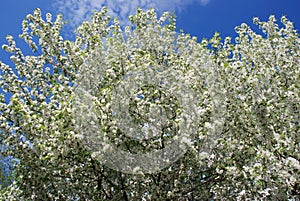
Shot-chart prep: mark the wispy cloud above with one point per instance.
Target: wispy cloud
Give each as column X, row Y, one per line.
column 204, row 2
column 77, row 11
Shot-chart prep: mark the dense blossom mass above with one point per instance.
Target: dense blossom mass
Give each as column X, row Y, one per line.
column 223, row 116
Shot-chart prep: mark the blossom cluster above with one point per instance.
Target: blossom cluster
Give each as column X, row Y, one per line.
column 225, row 114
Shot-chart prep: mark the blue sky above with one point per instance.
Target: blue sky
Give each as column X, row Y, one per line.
column 200, row 18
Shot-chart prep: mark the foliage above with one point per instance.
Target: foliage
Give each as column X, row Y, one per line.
column 254, row 154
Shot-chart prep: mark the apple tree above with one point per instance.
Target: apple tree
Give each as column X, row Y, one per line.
column 146, row 113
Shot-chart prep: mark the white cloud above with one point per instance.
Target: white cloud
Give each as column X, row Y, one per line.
column 204, row 2
column 78, row 10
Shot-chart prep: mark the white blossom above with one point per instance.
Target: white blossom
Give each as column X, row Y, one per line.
column 235, row 106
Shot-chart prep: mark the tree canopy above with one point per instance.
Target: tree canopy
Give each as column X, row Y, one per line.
column 146, row 113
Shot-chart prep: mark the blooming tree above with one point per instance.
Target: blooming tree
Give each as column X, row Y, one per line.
column 219, row 119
